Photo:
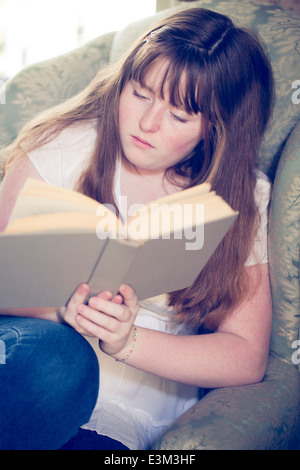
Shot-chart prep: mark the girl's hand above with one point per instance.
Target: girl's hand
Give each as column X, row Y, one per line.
column 69, row 313
column 106, row 317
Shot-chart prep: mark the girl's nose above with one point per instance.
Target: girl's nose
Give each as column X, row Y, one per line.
column 151, row 120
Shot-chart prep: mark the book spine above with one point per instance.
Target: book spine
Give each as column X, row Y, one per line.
column 112, row 266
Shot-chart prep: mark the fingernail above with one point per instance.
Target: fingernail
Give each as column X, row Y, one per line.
column 83, row 288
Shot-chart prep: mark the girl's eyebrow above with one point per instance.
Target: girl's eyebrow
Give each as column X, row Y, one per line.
column 180, row 107
column 143, row 85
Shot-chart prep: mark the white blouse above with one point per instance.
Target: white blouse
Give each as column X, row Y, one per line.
column 133, row 407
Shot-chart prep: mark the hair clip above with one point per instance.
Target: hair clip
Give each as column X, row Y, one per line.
column 150, row 36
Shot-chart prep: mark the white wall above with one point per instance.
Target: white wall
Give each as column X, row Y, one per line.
column 35, row 30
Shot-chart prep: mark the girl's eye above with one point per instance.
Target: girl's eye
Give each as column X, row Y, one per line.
column 178, row 118
column 139, row 95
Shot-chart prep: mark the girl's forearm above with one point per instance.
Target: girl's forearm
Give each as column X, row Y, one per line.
column 234, row 355
column 208, row 361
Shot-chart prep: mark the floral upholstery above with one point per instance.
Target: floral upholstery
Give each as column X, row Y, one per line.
column 48, row 83
column 264, row 415
column 284, row 243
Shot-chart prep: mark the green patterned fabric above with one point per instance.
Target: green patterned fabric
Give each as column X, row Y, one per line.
column 264, row 415
column 284, row 251
column 48, row 83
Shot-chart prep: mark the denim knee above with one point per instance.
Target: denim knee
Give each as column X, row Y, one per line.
column 49, row 383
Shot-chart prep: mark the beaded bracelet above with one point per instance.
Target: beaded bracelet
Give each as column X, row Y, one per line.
column 132, row 347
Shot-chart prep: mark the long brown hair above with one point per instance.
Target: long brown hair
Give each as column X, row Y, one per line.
column 228, row 78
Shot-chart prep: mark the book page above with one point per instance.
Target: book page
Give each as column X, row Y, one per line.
column 180, row 197
column 167, row 220
column 38, row 197
column 105, row 226
column 41, row 207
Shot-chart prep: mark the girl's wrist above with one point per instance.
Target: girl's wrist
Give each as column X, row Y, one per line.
column 127, row 351
column 59, row 312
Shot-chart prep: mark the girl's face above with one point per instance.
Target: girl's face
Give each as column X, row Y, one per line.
column 154, row 134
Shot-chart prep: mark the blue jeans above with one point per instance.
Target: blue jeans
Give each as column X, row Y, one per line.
column 49, row 379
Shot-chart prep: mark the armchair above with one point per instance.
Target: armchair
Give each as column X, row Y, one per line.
column 265, row 415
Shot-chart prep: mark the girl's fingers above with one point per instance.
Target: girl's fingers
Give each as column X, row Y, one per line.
column 79, row 296
column 129, row 296
column 107, row 295
column 118, row 299
column 106, row 316
column 70, row 312
column 105, row 327
column 92, row 328
column 96, row 305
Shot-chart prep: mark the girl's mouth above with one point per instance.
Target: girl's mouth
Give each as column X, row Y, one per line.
column 141, row 143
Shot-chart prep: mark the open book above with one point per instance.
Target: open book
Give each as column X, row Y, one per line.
column 57, row 239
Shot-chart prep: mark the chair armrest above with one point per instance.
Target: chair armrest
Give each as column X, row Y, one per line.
column 262, row 416
column 284, row 238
